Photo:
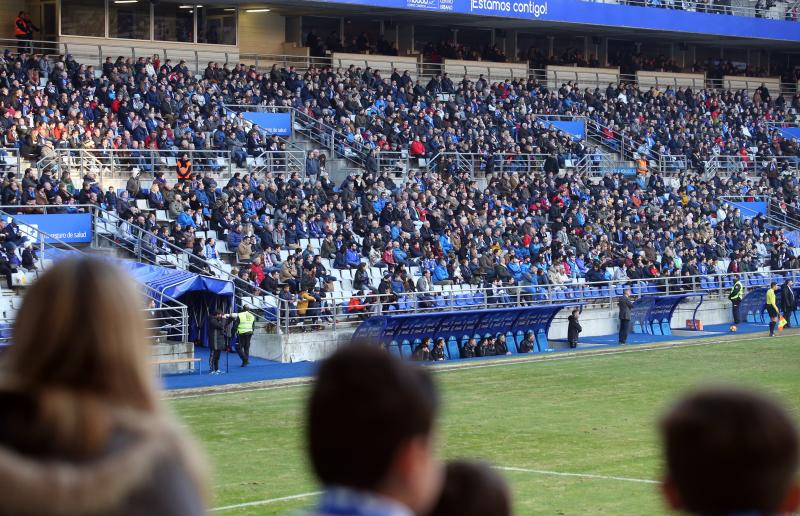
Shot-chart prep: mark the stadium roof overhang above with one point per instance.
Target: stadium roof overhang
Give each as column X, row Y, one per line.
column 603, row 27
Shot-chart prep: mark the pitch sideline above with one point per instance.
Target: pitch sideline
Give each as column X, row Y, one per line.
column 514, row 469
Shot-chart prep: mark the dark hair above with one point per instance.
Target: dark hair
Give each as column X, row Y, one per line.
column 729, row 450
column 364, row 407
column 472, row 489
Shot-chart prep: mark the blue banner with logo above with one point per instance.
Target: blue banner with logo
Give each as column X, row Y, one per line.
column 629, row 16
column 70, row 228
column 272, row 123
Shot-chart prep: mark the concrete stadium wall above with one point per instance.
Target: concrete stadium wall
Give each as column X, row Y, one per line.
column 261, row 33
column 8, row 13
column 297, row 347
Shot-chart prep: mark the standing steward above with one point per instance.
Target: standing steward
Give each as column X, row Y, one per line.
column 244, row 333
column 735, row 297
column 184, row 168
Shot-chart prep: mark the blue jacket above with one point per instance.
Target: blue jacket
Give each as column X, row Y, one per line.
column 440, row 273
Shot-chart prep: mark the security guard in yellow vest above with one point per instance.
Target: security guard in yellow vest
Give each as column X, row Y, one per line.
column 735, row 297
column 244, row 333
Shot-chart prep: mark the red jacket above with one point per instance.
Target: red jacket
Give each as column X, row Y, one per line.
column 417, row 148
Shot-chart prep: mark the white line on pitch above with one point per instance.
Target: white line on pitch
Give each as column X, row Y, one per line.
column 578, row 475
column 268, row 501
column 502, row 468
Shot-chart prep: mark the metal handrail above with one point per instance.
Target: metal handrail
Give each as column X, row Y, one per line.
column 118, row 163
column 98, row 52
column 469, row 297
column 10, row 160
column 173, row 306
column 143, row 251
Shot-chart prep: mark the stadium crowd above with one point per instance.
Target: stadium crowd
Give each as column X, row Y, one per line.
column 529, row 226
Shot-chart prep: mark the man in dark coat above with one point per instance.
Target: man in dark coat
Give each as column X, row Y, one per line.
column 625, row 307
column 788, row 301
column 574, row 329
column 216, row 340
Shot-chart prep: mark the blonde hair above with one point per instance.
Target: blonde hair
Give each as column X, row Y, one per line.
column 79, row 347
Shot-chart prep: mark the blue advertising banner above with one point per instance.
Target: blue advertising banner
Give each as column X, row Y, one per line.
column 71, row 228
column 575, row 129
column 271, row 123
column 750, row 209
column 577, row 11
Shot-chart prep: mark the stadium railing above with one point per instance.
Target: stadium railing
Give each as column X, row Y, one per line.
column 586, row 77
column 147, row 247
column 167, row 317
column 777, row 212
column 198, row 59
column 95, row 54
column 118, row 163
column 334, row 310
column 10, row 160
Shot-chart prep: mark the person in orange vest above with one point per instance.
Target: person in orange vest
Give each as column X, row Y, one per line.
column 30, row 28
column 184, row 167
column 641, row 166
column 21, row 31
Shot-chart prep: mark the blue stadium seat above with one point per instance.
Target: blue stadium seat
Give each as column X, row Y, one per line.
column 511, row 343
column 541, row 339
column 394, row 349
column 406, row 349
column 452, row 349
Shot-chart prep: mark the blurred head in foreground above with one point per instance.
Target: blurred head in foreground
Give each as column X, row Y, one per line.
column 371, row 422
column 83, row 431
column 472, row 489
column 730, row 451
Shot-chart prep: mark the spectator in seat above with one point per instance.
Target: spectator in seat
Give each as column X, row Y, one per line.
column 470, row 349
column 361, row 279
column 440, row 274
column 438, row 353
column 422, row 353
column 527, row 344
column 501, row 346
column 352, row 258
column 730, row 451
column 244, row 251
column 356, row 306
column 28, row 256
column 119, row 424
column 417, row 148
column 156, row 198
column 271, row 282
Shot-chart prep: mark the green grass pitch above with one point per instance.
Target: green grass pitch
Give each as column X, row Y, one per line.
column 590, row 415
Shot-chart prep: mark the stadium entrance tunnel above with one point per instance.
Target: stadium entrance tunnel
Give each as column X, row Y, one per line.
column 651, row 315
column 401, row 333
